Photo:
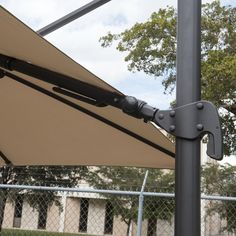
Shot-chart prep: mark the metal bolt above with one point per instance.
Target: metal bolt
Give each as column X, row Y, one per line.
column 172, row 113
column 200, row 105
column 200, row 127
column 172, row 128
column 161, row 116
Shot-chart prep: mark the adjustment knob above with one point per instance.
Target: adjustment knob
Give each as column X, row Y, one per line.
column 130, row 104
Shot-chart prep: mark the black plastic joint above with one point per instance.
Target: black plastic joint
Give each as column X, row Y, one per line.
column 138, row 108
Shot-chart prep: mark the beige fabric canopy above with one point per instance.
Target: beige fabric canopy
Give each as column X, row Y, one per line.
column 36, row 129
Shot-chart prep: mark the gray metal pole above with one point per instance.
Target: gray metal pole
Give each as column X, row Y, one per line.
column 71, row 17
column 187, row 167
column 140, row 207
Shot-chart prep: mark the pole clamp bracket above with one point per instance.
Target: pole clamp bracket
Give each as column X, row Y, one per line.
column 192, row 121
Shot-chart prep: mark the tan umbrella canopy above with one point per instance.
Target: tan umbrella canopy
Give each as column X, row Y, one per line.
column 41, row 126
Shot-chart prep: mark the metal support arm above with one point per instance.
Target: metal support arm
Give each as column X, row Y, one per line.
column 190, row 121
column 71, row 17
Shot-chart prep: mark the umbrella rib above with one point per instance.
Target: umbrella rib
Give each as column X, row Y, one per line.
column 88, row 112
column 61, row 80
column 5, row 159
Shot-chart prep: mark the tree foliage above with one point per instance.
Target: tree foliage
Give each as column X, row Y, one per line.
column 221, row 180
column 131, row 179
column 51, row 176
column 151, row 48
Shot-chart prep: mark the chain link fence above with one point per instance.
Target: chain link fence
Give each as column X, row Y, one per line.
column 34, row 210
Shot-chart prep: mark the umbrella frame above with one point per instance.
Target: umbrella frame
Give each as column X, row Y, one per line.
column 188, row 90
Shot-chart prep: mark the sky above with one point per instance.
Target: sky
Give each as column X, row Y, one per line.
column 80, row 39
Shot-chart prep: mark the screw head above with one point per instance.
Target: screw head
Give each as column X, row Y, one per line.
column 172, row 113
column 161, row 116
column 200, row 105
column 116, row 99
column 172, row 128
column 200, row 127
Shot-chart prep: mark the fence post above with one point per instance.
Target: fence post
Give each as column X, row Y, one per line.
column 63, row 213
column 140, row 206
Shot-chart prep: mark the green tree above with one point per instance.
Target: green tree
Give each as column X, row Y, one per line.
column 131, row 179
column 151, row 48
column 161, row 208
column 221, row 180
column 52, row 176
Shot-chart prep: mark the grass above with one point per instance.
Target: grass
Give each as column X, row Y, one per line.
column 14, row 232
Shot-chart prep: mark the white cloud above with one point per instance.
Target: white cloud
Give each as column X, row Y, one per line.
column 39, row 13
column 80, row 38
column 229, row 2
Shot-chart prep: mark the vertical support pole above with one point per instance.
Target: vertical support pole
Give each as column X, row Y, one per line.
column 187, row 165
column 63, row 213
column 140, row 206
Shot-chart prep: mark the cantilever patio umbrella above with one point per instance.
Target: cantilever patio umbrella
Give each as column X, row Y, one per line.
column 40, row 86
column 42, row 124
